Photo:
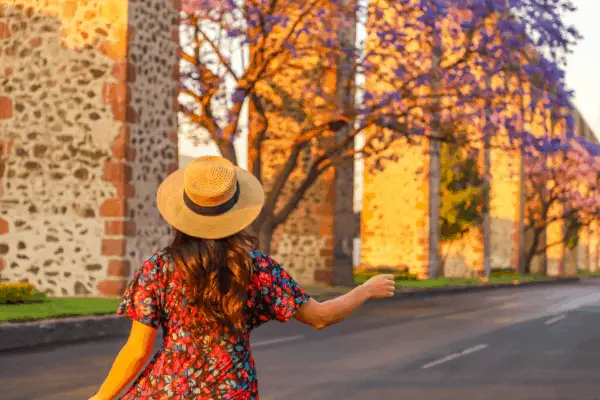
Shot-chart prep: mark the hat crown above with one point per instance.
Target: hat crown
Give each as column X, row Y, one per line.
column 210, row 181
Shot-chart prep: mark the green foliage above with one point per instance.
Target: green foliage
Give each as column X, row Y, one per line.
column 462, row 191
column 399, row 274
column 574, row 227
column 503, row 272
column 16, row 292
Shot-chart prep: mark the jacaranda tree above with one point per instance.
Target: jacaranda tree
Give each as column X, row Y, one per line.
column 562, row 187
column 300, row 68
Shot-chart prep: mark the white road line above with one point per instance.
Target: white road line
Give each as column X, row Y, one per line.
column 555, row 319
column 275, row 341
column 455, row 355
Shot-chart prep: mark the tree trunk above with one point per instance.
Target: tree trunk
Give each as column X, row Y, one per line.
column 262, row 228
column 527, row 261
column 533, row 250
column 228, row 150
column 265, row 236
column 443, row 259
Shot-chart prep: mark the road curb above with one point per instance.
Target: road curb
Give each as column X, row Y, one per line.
column 449, row 290
column 15, row 336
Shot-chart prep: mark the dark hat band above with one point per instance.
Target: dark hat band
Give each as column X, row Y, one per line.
column 214, row 210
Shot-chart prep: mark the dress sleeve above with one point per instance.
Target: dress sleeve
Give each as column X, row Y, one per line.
column 281, row 295
column 141, row 299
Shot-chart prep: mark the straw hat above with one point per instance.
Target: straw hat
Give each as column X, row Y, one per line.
column 210, row 198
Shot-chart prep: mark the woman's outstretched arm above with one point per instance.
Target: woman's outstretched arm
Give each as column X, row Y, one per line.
column 320, row 315
column 129, row 362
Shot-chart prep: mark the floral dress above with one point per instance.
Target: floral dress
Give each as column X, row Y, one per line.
column 210, row 370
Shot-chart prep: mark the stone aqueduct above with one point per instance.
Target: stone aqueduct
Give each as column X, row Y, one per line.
column 88, row 129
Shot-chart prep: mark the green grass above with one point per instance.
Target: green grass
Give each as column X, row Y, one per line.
column 441, row 282
column 43, row 307
column 588, row 273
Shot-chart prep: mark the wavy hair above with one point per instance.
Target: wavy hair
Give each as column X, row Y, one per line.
column 217, row 273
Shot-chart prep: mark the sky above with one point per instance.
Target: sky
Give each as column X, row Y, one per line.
column 582, row 74
column 583, row 66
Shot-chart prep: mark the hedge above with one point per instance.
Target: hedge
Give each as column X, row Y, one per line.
column 502, row 272
column 16, row 292
column 399, row 275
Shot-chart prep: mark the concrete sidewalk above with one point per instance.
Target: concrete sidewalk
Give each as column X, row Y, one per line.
column 23, row 335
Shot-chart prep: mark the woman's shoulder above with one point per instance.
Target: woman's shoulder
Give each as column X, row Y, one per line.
column 262, row 261
column 158, row 262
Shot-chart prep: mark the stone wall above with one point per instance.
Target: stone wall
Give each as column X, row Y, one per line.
column 87, row 128
column 395, row 214
column 304, row 243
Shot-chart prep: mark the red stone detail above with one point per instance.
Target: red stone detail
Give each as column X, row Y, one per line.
column 4, row 31
column 112, row 287
column 172, row 168
column 5, row 147
column 324, row 276
column 124, row 71
column 123, row 114
column 119, row 146
column 2, row 264
column 6, row 107
column 35, row 42
column 177, row 4
column 326, row 252
column 111, row 50
column 130, row 154
column 175, row 72
column 116, row 171
column 127, row 228
column 113, row 247
column 175, row 34
column 124, row 190
column 119, row 268
column 113, row 208
column 130, row 33
column 3, row 227
column 115, row 94
column 174, row 137
column 120, row 150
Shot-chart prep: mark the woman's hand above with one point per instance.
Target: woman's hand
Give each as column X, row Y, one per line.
column 380, row 286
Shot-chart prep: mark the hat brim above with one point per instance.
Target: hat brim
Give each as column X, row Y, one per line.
column 171, row 206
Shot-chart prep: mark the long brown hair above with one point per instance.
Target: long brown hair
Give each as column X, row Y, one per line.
column 217, row 274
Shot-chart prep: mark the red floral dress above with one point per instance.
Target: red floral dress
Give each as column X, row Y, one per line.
column 221, row 369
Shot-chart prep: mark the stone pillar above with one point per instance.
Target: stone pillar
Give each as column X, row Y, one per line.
column 391, row 236
column 345, row 227
column 593, row 247
column 89, row 131
column 396, row 220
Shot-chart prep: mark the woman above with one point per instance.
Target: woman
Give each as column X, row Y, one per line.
column 208, row 290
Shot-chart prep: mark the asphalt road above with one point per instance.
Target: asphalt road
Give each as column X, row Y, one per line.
column 537, row 343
